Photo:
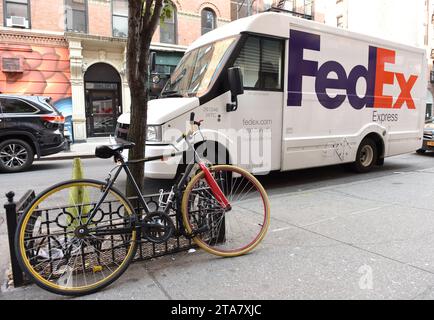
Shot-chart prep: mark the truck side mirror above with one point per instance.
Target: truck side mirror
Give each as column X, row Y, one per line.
column 153, row 61
column 236, row 85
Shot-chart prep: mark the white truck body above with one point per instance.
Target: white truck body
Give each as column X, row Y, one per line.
column 330, row 89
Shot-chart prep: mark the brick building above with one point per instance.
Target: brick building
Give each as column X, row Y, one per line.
column 74, row 51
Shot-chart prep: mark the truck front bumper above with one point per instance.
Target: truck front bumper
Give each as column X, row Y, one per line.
column 428, row 145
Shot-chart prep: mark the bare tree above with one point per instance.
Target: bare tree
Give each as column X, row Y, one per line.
column 143, row 19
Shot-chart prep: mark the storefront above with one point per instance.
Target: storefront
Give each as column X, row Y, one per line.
column 99, row 85
column 84, row 75
column 103, row 99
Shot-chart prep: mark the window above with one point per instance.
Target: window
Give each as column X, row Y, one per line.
column 76, row 15
column 208, row 20
column 261, row 63
column 15, row 9
column 120, row 18
column 16, row 106
column 168, row 28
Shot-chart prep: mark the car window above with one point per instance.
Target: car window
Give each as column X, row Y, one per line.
column 15, row 106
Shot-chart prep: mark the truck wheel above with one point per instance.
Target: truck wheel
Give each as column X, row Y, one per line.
column 366, row 158
column 420, row 151
column 15, row 155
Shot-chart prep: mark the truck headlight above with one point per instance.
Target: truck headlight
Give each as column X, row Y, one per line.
column 154, row 134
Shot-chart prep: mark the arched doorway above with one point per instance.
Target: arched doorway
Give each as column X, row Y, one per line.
column 103, row 99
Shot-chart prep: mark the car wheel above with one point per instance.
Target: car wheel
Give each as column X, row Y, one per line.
column 367, row 156
column 15, row 155
column 421, row 151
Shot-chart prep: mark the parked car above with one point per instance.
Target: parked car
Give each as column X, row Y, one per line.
column 270, row 101
column 428, row 137
column 29, row 126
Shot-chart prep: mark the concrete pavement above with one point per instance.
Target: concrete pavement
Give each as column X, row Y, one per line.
column 333, row 235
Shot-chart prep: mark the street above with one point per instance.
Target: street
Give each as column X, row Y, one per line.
column 333, row 235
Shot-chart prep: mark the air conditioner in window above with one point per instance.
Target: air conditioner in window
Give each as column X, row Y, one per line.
column 12, row 64
column 19, row 22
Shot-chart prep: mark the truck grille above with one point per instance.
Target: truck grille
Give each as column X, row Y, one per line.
column 122, row 131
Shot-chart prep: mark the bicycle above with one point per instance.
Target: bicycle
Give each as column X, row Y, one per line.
column 85, row 246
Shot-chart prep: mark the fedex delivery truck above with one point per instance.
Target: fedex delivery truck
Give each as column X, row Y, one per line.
column 316, row 95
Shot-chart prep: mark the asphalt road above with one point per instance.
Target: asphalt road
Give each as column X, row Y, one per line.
column 334, row 235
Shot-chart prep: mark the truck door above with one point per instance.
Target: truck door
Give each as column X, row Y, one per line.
column 259, row 112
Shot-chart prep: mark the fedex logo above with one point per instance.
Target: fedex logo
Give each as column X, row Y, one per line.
column 375, row 75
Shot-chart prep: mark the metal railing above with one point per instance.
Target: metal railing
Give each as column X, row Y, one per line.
column 145, row 249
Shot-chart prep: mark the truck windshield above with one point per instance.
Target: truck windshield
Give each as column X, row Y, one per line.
column 197, row 69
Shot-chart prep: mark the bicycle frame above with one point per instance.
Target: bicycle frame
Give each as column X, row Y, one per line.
column 176, row 188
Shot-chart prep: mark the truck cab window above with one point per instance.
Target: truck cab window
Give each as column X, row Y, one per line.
column 261, row 63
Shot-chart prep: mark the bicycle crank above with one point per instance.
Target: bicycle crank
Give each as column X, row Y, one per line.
column 157, row 227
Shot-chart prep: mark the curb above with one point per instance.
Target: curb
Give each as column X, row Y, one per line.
column 68, row 157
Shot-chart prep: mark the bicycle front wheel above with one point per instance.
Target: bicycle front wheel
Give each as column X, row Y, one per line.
column 63, row 251
column 220, row 232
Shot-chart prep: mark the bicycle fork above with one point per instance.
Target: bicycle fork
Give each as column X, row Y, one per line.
column 215, row 189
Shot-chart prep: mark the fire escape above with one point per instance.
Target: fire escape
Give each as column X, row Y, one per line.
column 298, row 8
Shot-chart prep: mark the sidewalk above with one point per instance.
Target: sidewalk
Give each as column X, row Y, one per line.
column 79, row 150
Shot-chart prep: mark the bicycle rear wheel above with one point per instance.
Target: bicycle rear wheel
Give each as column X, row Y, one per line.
column 63, row 252
column 231, row 233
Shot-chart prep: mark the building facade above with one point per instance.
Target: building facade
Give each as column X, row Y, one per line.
column 309, row 9
column 74, row 52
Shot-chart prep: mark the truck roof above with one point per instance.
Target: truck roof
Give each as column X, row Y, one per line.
column 278, row 25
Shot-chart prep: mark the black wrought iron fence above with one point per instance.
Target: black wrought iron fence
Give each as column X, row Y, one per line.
column 57, row 224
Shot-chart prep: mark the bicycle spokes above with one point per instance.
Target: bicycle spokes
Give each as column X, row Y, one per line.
column 218, row 230
column 64, row 250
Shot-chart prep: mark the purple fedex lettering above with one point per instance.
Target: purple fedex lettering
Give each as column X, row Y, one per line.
column 299, row 67
column 323, row 82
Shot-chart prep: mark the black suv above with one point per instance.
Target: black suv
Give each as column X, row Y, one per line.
column 29, row 126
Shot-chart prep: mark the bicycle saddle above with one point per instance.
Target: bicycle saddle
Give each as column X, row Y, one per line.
column 108, row 151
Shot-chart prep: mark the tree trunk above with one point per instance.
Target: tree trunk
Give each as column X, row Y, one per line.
column 143, row 19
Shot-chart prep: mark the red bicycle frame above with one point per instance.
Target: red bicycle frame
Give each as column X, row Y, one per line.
column 215, row 189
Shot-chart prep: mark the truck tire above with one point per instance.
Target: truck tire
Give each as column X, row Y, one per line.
column 421, row 151
column 367, row 156
column 15, row 155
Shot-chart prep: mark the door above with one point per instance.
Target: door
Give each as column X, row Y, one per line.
column 260, row 107
column 102, row 111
